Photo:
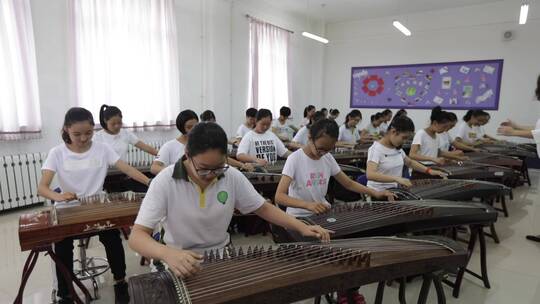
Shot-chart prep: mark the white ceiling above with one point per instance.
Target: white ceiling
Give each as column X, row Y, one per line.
column 345, row 10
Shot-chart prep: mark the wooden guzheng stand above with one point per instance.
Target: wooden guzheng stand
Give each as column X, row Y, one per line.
column 39, row 230
column 292, row 272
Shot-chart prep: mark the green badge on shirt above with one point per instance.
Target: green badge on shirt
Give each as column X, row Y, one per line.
column 222, row 197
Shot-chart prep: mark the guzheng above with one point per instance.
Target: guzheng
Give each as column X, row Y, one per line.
column 495, row 159
column 90, row 214
column 362, row 219
column 292, row 272
column 470, row 170
column 451, row 189
column 508, row 148
column 350, row 156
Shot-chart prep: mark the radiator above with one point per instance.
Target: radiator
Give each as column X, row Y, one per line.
column 20, row 175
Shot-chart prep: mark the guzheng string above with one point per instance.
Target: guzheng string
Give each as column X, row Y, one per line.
column 263, row 268
column 371, row 212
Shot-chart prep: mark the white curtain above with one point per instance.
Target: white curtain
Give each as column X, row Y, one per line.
column 126, row 55
column 268, row 66
column 19, row 95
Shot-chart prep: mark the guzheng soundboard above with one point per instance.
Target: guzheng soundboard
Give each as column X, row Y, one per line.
column 511, row 149
column 362, row 219
column 495, row 159
column 470, row 170
column 292, row 272
column 451, row 189
column 88, row 215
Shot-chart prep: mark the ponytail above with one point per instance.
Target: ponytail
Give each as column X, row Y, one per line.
column 107, row 112
column 439, row 116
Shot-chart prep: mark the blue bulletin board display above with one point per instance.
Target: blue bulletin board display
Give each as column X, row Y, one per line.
column 452, row 85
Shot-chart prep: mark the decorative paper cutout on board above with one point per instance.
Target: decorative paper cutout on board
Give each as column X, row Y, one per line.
column 452, row 85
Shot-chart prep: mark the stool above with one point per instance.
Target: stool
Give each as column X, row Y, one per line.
column 90, row 267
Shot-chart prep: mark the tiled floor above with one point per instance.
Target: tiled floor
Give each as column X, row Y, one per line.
column 514, row 264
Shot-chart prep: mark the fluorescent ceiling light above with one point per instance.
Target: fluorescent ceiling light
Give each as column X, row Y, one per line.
column 401, row 28
column 315, row 37
column 523, row 13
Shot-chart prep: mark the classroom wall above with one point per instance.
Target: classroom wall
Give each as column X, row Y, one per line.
column 213, row 42
column 470, row 33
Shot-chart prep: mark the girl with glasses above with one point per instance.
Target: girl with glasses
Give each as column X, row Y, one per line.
column 196, row 198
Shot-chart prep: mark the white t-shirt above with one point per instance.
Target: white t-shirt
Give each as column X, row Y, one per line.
column 309, row 178
column 283, row 130
column 119, row 142
column 81, row 173
column 536, row 136
column 429, row 146
column 445, row 140
column 170, row 152
column 468, row 134
column 196, row 220
column 348, row 135
column 263, row 146
column 372, row 130
column 390, row 163
column 242, row 131
column 301, row 136
column 305, row 122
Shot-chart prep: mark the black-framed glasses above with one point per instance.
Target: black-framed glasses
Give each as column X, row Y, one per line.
column 205, row 172
column 319, row 151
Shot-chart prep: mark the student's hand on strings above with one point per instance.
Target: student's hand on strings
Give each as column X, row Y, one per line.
column 438, row 173
column 386, row 195
column 262, row 162
column 184, row 263
column 248, row 167
column 404, row 182
column 316, row 231
column 317, row 208
column 66, row 197
column 440, row 161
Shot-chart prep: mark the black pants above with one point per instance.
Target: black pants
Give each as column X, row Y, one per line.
column 113, row 248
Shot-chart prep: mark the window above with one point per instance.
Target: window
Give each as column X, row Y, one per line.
column 268, row 70
column 126, row 55
column 19, row 95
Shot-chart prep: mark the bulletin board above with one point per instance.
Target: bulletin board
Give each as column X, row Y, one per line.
column 452, row 85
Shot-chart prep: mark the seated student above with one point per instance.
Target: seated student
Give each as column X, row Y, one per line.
column 281, row 127
column 469, row 131
column 208, row 116
column 348, row 133
column 306, row 174
column 301, row 138
column 309, row 111
column 173, row 150
column 110, row 119
column 372, row 131
column 386, row 158
column 260, row 145
column 324, row 111
column 81, row 166
column 425, row 145
column 333, row 114
column 484, row 120
column 386, row 119
column 247, row 126
column 446, row 140
column 197, row 222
